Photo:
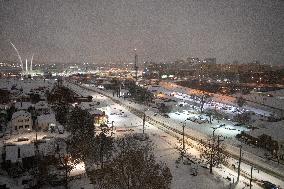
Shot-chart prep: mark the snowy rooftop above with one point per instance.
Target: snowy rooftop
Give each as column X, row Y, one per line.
column 23, row 105
column 26, row 150
column 91, row 107
column 21, row 113
column 87, row 105
column 96, row 112
column 50, row 118
column 26, row 85
column 41, row 105
column 46, row 145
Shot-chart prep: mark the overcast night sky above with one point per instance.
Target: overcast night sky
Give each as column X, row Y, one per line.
column 161, row 30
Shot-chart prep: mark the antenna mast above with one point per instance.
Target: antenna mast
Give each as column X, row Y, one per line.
column 135, row 65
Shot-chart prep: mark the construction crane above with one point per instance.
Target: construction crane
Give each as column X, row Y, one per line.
column 136, row 65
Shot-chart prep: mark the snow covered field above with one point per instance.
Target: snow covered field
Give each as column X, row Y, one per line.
column 160, row 141
column 26, row 85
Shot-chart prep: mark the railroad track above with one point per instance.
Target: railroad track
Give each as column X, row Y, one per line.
column 177, row 134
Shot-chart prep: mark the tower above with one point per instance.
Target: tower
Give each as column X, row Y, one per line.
column 135, row 65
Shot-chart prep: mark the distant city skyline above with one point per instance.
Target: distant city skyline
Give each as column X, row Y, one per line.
column 109, row 30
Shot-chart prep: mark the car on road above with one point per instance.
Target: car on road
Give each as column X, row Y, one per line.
column 269, row 185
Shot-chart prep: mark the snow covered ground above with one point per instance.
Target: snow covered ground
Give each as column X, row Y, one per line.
column 166, row 149
column 271, row 98
column 259, row 103
column 26, row 85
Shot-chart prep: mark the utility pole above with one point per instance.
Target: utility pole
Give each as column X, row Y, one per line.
column 214, row 129
column 212, row 149
column 239, row 167
column 250, row 180
column 218, row 149
column 144, row 119
column 183, row 145
column 112, row 128
column 211, row 155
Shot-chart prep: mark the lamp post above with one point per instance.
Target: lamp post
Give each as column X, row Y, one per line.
column 250, row 180
column 143, row 122
column 183, row 146
column 212, row 148
column 218, row 149
column 183, row 139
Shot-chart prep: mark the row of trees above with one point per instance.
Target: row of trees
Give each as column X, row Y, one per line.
column 124, row 162
column 213, row 151
column 132, row 165
column 140, row 94
column 60, row 94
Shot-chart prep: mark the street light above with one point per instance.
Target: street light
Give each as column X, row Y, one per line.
column 250, row 180
column 144, row 120
column 183, row 141
column 214, row 129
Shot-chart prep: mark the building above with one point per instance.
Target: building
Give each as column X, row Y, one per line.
column 269, row 136
column 209, row 60
column 22, row 152
column 42, row 107
column 21, row 121
column 94, row 109
column 46, row 121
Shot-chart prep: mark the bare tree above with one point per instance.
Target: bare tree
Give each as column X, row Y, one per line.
column 214, row 152
column 240, row 101
column 103, row 148
column 133, row 166
column 61, row 113
column 65, row 159
column 165, row 108
column 216, row 115
column 203, row 98
column 209, row 113
column 243, row 118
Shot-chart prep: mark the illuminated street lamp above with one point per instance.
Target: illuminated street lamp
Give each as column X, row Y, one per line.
column 183, row 140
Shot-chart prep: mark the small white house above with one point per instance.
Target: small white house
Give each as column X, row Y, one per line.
column 21, row 121
column 45, row 121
